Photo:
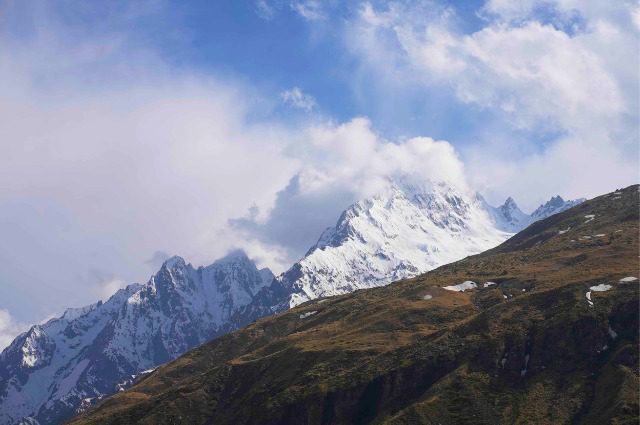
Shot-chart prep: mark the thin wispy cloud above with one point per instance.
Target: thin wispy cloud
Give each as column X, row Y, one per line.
column 298, row 99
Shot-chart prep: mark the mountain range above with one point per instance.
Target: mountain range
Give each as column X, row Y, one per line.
column 540, row 329
column 64, row 366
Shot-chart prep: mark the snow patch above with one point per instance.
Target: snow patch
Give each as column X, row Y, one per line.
column 427, row 297
column 589, row 217
column 601, row 287
column 613, row 334
column 487, row 284
column 562, row 232
column 461, row 287
column 307, row 314
column 628, row 279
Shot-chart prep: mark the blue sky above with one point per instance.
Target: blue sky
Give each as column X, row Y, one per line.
column 132, row 130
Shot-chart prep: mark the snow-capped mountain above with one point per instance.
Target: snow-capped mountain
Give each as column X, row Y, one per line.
column 399, row 233
column 402, row 232
column 507, row 217
column 554, row 206
column 59, row 368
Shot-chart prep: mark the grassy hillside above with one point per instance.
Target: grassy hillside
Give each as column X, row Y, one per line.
column 530, row 348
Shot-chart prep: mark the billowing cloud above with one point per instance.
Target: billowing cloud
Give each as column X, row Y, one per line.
column 342, row 164
column 556, row 73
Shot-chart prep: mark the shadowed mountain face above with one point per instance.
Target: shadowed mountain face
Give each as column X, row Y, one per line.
column 541, row 329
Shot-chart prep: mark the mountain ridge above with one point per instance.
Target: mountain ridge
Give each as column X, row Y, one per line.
column 541, row 329
column 453, row 223
column 65, row 363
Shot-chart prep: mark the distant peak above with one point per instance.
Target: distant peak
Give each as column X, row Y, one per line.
column 173, row 262
column 555, row 201
column 510, row 205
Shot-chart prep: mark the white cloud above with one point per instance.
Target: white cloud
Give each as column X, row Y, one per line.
column 351, row 155
column 559, row 68
column 298, row 99
column 343, row 163
column 9, row 328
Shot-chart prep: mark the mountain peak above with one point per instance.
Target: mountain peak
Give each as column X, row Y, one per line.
column 554, row 205
column 174, row 262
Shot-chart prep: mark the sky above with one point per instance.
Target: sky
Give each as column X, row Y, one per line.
column 135, row 130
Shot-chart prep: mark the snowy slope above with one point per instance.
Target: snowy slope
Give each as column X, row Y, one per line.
column 399, row 233
column 61, row 367
column 402, row 232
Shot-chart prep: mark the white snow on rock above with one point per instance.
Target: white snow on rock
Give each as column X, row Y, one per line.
column 461, row 287
column 588, row 295
column 405, row 230
column 597, row 288
column 589, row 217
column 600, row 235
column 601, row 287
column 427, row 297
column 562, row 232
column 613, row 334
column 487, row 284
column 402, row 232
column 628, row 279
column 307, row 314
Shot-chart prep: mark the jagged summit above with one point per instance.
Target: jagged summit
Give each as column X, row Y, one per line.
column 174, row 262
column 554, row 206
column 405, row 230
